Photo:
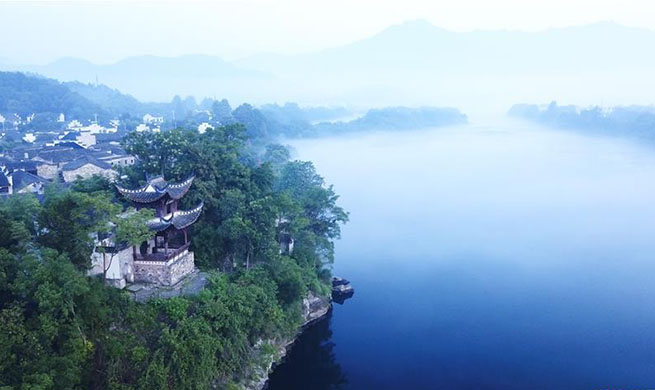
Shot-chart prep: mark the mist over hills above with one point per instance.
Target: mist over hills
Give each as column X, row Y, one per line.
column 152, row 78
column 417, row 62
column 419, row 45
column 414, row 63
column 34, row 103
column 637, row 122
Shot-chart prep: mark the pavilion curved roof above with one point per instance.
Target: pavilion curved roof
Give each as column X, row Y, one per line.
column 156, row 188
column 179, row 219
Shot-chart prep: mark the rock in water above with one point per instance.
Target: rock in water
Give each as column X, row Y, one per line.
column 337, row 281
column 341, row 290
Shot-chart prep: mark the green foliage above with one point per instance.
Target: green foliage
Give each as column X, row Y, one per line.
column 277, row 155
column 93, row 184
column 43, row 341
column 289, row 277
column 132, row 228
column 70, row 218
column 24, row 95
column 315, row 220
column 62, row 330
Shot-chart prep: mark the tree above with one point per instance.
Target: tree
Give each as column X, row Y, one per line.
column 318, row 215
column 222, row 111
column 131, row 228
column 70, row 219
column 158, row 151
column 277, row 155
column 254, row 121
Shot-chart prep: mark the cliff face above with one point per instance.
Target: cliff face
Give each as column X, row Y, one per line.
column 270, row 353
column 314, row 308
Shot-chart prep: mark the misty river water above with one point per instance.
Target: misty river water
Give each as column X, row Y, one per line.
column 486, row 256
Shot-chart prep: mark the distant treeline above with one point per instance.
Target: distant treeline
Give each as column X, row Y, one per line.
column 632, row 121
column 46, row 98
column 292, row 121
column 396, row 118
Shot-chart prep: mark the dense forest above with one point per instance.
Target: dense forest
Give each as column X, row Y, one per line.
column 27, row 94
column 60, row 329
column 631, row 121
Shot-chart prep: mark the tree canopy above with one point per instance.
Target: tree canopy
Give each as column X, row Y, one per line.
column 60, row 329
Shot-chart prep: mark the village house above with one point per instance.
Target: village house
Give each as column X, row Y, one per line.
column 142, row 127
column 86, row 167
column 5, row 184
column 21, row 182
column 203, row 127
column 85, row 139
column 49, row 161
column 153, row 120
column 25, row 182
column 118, row 160
column 47, row 170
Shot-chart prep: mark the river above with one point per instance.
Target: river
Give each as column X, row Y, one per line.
column 486, row 256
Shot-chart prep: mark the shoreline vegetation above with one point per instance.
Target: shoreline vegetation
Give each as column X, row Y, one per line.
column 271, row 353
column 637, row 122
column 60, row 329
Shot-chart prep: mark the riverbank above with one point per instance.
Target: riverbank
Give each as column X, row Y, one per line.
column 267, row 354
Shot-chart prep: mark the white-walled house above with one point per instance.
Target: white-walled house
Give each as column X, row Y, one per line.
column 203, row 127
column 142, row 127
column 153, row 120
column 86, row 167
column 82, row 138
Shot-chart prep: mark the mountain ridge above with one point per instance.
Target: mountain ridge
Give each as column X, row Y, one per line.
column 411, row 63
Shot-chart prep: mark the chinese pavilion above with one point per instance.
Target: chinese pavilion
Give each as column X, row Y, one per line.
column 165, row 259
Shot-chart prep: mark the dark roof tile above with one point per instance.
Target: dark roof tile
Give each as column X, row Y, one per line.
column 179, row 220
column 4, row 180
column 156, row 188
column 21, row 179
column 84, row 160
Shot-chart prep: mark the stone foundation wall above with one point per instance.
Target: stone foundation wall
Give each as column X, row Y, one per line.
column 164, row 273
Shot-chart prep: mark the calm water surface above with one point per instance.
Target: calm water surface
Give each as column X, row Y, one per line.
column 487, row 257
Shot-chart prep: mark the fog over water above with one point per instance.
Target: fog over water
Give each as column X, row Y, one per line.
column 489, row 256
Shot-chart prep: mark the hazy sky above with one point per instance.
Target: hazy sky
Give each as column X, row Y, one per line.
column 38, row 32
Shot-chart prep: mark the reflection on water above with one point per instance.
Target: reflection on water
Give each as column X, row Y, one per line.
column 312, row 364
column 498, row 257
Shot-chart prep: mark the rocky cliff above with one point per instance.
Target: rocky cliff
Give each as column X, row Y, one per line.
column 270, row 353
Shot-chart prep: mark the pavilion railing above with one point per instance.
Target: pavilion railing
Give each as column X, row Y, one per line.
column 162, row 254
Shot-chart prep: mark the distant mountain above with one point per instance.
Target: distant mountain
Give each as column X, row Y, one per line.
column 117, row 103
column 414, row 64
column 419, row 45
column 418, row 63
column 150, row 77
